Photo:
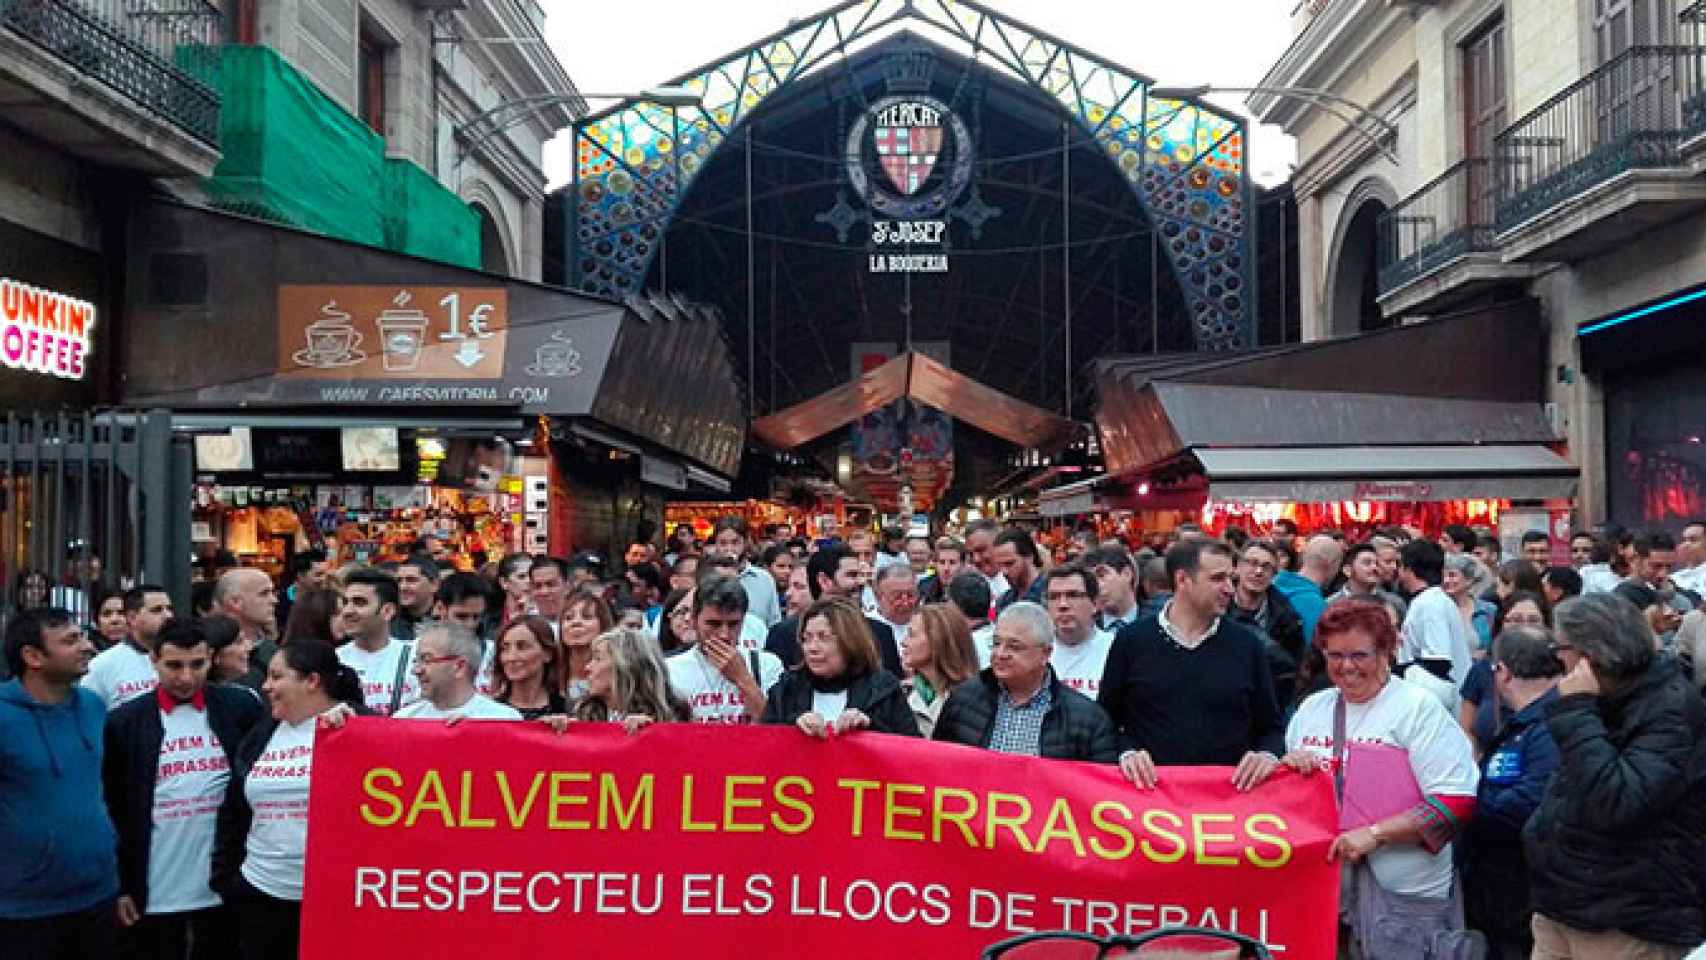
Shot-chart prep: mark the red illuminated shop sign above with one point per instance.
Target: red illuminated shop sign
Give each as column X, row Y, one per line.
column 44, row 332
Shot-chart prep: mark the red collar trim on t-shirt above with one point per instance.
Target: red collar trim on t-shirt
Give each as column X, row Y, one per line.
column 168, row 703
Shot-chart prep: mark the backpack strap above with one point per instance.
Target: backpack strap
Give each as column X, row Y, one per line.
column 405, row 657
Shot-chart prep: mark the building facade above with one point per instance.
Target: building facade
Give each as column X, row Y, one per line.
column 424, row 74
column 1552, row 150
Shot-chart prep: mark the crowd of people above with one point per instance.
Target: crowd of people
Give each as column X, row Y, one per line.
column 1542, row 724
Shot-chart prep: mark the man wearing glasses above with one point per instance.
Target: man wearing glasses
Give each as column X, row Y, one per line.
column 1080, row 647
column 447, row 658
column 1259, row 605
column 1019, row 706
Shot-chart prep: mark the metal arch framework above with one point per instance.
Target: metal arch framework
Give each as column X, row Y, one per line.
column 1184, row 160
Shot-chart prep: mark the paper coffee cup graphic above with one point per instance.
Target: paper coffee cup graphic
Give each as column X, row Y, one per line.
column 332, row 340
column 402, row 334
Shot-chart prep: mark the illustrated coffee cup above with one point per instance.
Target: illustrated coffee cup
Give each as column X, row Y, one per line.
column 403, row 335
column 330, row 340
column 553, row 359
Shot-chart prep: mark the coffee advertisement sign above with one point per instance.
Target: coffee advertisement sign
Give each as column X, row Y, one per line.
column 392, row 332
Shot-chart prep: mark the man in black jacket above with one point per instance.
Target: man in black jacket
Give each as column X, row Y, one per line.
column 167, row 761
column 833, row 572
column 1259, row 605
column 1019, row 706
column 1616, row 853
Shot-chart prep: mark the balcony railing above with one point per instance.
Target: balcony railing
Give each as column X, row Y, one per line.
column 1632, row 113
column 1451, row 216
column 1693, row 22
column 163, row 54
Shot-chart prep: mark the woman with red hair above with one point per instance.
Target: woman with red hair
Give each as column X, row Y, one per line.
column 1399, row 866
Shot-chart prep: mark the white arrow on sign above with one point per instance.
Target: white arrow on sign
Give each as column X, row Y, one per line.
column 469, row 354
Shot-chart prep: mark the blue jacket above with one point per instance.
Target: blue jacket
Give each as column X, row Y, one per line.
column 59, row 850
column 1305, row 597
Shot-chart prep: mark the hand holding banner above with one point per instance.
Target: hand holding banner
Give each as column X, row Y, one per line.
column 501, row 838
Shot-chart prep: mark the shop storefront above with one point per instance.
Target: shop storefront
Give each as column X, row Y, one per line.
column 1389, row 432
column 364, row 494
column 351, row 398
column 1647, row 362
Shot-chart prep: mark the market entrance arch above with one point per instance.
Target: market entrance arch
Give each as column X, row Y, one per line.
column 1183, row 161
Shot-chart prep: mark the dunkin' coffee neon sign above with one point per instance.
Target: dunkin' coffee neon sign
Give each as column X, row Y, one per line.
column 44, row 332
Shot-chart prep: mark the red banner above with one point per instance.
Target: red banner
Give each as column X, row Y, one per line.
column 506, row 839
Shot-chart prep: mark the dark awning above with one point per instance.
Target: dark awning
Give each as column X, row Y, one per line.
column 925, row 381
column 226, row 312
column 1404, row 414
column 1406, row 474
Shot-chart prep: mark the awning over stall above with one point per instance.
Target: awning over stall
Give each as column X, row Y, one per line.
column 228, row 313
column 1397, row 415
column 1408, row 474
column 923, row 380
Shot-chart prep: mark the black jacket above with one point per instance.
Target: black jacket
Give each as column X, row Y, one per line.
column 1285, row 630
column 784, row 642
column 877, row 695
column 231, row 834
column 1617, row 842
column 1075, row 728
column 131, row 762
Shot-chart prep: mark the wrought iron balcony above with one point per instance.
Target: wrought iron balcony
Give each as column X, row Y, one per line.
column 1627, row 115
column 163, row 54
column 1693, row 22
column 1451, row 216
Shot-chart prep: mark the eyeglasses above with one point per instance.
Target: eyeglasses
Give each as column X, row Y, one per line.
column 1068, row 595
column 426, row 659
column 1196, row 943
column 1358, row 658
column 1526, row 620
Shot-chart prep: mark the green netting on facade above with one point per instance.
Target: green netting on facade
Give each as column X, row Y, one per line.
column 294, row 156
column 426, row 220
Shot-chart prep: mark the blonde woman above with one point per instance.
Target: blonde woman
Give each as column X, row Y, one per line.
column 626, row 683
column 939, row 655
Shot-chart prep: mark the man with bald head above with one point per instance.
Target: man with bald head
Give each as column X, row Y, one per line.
column 246, row 595
column 1306, row 590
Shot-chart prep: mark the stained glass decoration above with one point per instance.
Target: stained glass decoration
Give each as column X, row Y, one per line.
column 1185, row 161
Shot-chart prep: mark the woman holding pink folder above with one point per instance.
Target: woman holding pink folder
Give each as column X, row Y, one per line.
column 1406, row 780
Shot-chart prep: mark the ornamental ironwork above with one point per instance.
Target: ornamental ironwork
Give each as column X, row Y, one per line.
column 1184, row 161
column 163, row 54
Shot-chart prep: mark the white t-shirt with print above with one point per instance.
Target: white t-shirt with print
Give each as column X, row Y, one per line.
column 1434, row 629
column 713, row 697
column 478, row 707
column 1080, row 667
column 189, row 785
column 378, row 672
column 277, row 791
column 1405, row 716
column 120, row 674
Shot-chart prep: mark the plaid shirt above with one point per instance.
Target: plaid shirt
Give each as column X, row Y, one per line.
column 1019, row 726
